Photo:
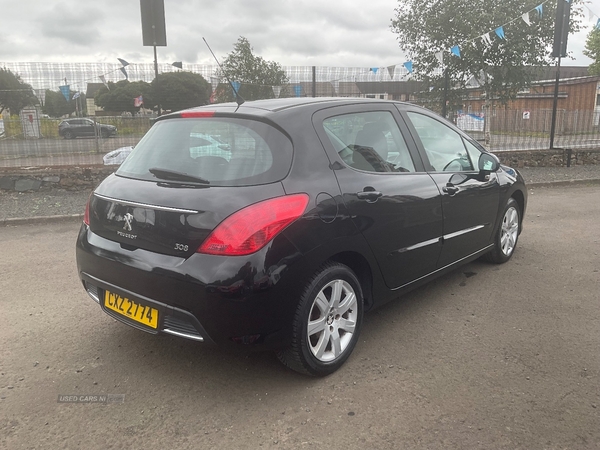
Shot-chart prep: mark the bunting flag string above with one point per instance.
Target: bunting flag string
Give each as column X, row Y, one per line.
column 499, row 31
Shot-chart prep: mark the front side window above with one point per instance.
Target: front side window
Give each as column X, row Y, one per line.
column 369, row 141
column 444, row 146
column 220, row 151
column 474, row 153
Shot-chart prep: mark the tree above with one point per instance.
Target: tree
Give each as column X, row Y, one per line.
column 592, row 50
column 503, row 68
column 120, row 97
column 14, row 93
column 180, row 90
column 255, row 75
column 55, row 104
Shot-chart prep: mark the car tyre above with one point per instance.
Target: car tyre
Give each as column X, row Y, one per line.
column 68, row 135
column 507, row 236
column 327, row 322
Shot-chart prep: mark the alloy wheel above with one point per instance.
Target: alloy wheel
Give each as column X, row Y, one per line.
column 332, row 320
column 510, row 230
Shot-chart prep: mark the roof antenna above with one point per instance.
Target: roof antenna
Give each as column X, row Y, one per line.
column 238, row 98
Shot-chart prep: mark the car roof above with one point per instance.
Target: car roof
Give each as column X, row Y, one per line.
column 265, row 107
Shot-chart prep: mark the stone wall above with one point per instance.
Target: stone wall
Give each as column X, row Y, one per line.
column 71, row 178
column 549, row 158
column 75, row 178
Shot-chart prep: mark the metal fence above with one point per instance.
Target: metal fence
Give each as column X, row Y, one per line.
column 32, row 139
column 35, row 141
column 510, row 129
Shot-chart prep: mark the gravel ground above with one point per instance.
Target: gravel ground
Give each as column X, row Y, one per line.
column 60, row 202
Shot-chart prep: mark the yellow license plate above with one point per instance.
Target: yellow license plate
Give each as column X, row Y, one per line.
column 132, row 309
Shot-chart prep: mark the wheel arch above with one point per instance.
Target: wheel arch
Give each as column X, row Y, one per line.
column 520, row 199
column 361, row 268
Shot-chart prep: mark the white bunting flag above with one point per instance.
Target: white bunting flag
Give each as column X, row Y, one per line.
column 391, row 70
column 103, row 79
column 525, row 18
column 276, row 91
column 486, row 40
column 440, row 57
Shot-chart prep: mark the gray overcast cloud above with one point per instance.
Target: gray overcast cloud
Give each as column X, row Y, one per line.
column 344, row 33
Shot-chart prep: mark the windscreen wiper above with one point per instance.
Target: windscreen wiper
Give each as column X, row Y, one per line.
column 173, row 175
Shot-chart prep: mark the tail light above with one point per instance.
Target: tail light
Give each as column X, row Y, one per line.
column 250, row 229
column 86, row 215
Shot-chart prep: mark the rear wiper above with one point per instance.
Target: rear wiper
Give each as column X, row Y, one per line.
column 173, row 175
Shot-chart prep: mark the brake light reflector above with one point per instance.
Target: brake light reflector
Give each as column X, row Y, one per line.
column 192, row 114
column 250, row 229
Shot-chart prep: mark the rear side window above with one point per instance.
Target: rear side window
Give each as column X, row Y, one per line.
column 222, row 151
column 369, row 141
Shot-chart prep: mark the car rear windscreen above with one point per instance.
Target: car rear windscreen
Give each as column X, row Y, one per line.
column 223, row 151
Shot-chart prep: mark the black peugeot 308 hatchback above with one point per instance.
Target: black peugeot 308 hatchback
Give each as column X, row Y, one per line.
column 277, row 223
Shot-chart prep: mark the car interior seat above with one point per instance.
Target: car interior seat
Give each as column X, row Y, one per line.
column 371, row 149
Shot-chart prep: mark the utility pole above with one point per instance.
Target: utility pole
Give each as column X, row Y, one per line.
column 559, row 50
column 555, row 103
column 445, row 101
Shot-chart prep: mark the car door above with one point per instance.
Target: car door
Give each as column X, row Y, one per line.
column 469, row 200
column 87, row 127
column 392, row 200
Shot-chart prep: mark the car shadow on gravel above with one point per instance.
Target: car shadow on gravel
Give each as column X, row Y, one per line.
column 157, row 359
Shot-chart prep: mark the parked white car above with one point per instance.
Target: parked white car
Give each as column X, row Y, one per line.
column 116, row 157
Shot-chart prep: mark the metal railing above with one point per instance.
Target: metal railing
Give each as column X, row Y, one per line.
column 509, row 129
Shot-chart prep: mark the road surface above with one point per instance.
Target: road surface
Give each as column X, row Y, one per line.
column 487, row 357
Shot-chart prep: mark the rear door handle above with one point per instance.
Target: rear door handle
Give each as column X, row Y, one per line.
column 369, row 195
column 450, row 189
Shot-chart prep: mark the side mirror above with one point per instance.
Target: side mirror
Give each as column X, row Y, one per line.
column 488, row 163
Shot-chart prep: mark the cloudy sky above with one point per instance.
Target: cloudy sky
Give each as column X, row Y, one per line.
column 293, row 33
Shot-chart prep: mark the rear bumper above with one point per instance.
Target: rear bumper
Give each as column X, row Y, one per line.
column 172, row 320
column 247, row 300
